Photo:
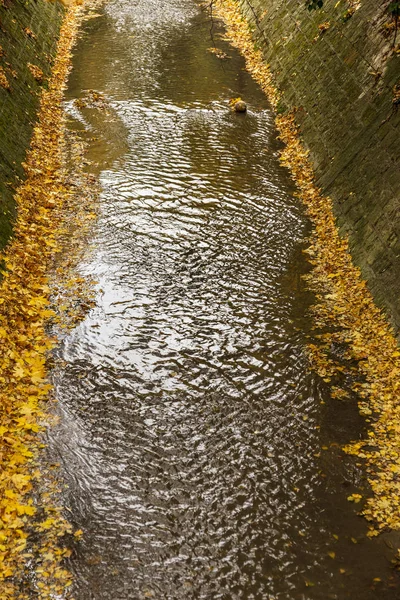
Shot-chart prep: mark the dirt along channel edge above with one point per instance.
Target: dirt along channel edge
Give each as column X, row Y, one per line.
column 356, row 341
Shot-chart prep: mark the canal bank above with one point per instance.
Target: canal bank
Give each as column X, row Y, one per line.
column 31, row 522
column 339, row 68
column 28, row 40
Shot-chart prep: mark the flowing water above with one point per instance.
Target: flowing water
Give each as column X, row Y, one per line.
column 202, row 457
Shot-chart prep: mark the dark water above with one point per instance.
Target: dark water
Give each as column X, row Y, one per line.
column 192, row 433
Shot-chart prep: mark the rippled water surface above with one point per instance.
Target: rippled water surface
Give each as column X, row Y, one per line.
column 203, row 459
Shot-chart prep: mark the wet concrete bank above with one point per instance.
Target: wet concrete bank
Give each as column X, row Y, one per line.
column 28, row 36
column 341, row 74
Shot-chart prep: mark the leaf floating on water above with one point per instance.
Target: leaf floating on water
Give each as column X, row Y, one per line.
column 356, row 498
column 218, row 53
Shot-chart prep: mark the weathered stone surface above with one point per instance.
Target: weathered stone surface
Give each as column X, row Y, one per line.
column 28, row 36
column 240, row 106
column 341, row 81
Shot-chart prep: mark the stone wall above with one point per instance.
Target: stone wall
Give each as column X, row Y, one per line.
column 341, row 75
column 28, row 36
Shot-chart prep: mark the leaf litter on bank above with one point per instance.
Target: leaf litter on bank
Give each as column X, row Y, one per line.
column 32, row 525
column 345, row 308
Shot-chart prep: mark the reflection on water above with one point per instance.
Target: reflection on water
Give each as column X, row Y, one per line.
column 191, row 431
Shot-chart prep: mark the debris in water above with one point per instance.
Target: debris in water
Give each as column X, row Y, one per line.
column 218, row 53
column 238, row 105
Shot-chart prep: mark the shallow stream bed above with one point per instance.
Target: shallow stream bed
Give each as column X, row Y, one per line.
column 202, row 458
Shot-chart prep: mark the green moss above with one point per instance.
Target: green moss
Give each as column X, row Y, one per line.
column 281, row 107
column 28, row 35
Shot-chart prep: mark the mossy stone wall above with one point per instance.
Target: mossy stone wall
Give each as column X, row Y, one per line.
column 341, row 75
column 28, row 36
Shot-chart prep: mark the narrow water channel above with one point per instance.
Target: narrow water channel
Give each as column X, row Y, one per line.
column 202, row 458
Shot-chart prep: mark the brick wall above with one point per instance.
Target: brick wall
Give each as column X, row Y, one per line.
column 341, row 82
column 28, row 34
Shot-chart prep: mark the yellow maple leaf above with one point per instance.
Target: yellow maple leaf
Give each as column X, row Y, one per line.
column 47, row 524
column 19, row 371
column 78, row 533
column 25, row 509
column 20, row 481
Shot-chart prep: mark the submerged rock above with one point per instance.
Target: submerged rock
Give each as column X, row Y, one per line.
column 240, row 106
